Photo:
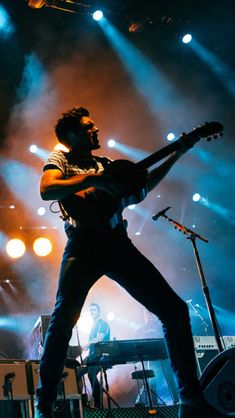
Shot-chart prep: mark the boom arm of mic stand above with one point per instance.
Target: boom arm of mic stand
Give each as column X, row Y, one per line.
column 192, row 236
column 184, row 229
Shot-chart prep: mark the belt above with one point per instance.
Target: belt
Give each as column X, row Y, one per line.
column 100, row 226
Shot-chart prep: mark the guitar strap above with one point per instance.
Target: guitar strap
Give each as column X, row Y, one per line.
column 64, row 215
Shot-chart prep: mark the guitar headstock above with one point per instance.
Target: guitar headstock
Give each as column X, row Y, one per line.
column 211, row 130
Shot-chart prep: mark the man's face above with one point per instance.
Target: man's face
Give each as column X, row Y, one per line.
column 85, row 138
column 94, row 312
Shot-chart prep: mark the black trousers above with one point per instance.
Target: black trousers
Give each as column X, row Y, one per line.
column 90, row 254
column 95, row 385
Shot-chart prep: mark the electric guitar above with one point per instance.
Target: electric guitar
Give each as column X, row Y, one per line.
column 98, row 207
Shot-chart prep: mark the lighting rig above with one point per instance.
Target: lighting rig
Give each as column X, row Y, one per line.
column 141, row 23
column 65, row 5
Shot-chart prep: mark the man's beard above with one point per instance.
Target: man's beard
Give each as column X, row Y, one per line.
column 95, row 146
column 94, row 143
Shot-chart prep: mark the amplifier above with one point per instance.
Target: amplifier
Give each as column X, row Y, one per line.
column 170, row 411
column 206, row 349
column 13, row 380
column 19, row 379
column 208, row 342
column 37, row 336
column 37, row 339
column 229, row 341
column 70, row 386
column 203, row 358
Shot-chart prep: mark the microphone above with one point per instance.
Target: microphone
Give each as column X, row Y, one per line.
column 161, row 213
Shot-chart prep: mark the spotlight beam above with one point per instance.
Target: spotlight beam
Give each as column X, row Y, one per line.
column 221, row 70
column 149, row 81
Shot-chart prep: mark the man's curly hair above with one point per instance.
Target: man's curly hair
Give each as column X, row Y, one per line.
column 69, row 120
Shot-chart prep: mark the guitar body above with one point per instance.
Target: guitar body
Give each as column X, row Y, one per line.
column 94, row 207
column 98, row 206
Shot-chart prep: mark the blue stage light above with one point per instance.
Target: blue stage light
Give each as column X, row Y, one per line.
column 170, row 136
column 97, row 15
column 221, row 69
column 187, row 38
column 33, row 149
column 196, row 197
column 111, row 143
column 6, row 26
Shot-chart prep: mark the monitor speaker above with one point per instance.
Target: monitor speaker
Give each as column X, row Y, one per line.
column 218, row 382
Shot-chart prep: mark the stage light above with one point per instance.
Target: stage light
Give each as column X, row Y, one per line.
column 196, row 197
column 36, row 4
column 70, row 6
column 42, row 246
column 111, row 143
column 15, row 248
column 97, row 15
column 41, row 211
column 6, row 26
column 187, row 38
column 85, row 322
column 136, row 26
column 33, row 149
column 110, row 316
column 41, row 153
column 170, row 136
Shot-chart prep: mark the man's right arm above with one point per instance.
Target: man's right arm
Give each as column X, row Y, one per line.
column 53, row 185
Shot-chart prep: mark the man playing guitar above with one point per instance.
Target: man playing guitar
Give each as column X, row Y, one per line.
column 90, row 190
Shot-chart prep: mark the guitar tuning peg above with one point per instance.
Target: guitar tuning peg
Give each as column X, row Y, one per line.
column 221, row 134
column 215, row 136
column 208, row 138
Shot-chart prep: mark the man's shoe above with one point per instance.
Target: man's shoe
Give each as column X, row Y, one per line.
column 198, row 410
column 43, row 413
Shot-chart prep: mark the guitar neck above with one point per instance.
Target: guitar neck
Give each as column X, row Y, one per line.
column 162, row 153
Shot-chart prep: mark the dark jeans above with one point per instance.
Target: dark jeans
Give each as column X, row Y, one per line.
column 88, row 255
column 95, row 385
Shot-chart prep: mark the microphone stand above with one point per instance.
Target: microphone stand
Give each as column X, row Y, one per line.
column 7, row 386
column 192, row 236
column 203, row 321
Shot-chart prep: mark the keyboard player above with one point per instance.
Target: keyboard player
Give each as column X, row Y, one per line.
column 100, row 332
